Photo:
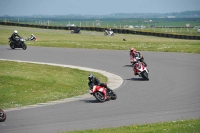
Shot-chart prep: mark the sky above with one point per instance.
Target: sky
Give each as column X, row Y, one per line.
column 94, row 7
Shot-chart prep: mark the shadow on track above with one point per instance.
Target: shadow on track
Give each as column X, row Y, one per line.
column 127, row 66
column 90, row 101
column 136, row 79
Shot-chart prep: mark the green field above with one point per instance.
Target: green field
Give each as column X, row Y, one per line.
column 96, row 40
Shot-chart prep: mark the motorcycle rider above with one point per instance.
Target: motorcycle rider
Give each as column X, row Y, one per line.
column 76, row 29
column 134, row 53
column 109, row 30
column 95, row 81
column 14, row 35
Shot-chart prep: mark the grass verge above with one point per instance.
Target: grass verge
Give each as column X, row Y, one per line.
column 39, row 83
column 183, row 126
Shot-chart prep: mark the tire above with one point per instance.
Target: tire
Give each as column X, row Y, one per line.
column 145, row 75
column 99, row 96
column 113, row 96
column 12, row 45
column 105, row 34
column 24, row 47
column 2, row 115
column 112, row 34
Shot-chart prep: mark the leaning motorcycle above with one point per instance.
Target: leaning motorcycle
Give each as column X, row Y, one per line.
column 102, row 95
column 2, row 115
column 75, row 31
column 140, row 68
column 108, row 33
column 17, row 44
column 31, row 39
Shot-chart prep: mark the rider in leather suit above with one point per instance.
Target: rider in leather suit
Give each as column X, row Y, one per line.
column 14, row 35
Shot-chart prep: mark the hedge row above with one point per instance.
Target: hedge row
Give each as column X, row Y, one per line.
column 100, row 29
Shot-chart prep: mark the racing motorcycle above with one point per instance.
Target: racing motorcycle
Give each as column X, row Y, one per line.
column 18, row 44
column 102, row 94
column 76, row 30
column 108, row 33
column 2, row 115
column 140, row 68
column 31, row 39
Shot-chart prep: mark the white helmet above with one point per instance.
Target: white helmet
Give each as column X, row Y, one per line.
column 15, row 31
column 32, row 35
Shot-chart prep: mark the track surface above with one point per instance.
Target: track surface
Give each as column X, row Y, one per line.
column 172, row 93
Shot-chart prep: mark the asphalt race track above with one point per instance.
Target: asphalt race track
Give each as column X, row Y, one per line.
column 172, row 93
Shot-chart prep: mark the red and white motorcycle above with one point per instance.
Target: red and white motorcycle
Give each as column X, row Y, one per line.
column 140, row 69
column 102, row 94
column 2, row 115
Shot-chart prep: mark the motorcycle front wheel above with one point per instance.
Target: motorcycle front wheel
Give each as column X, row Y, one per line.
column 145, row 75
column 99, row 96
column 12, row 45
column 24, row 47
column 2, row 115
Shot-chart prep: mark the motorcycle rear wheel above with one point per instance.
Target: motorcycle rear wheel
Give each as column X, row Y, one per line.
column 2, row 115
column 113, row 96
column 99, row 96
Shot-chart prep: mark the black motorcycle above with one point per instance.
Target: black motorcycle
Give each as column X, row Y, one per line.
column 76, row 30
column 2, row 115
column 19, row 43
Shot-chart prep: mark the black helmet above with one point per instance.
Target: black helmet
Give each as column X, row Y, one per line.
column 90, row 77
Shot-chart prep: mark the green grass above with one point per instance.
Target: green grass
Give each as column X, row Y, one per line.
column 96, row 40
column 183, row 126
column 39, row 83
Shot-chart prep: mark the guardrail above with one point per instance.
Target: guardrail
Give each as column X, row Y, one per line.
column 100, row 29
